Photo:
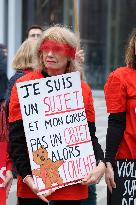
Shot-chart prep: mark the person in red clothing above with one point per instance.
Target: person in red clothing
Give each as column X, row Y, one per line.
column 5, row 172
column 5, row 161
column 120, row 95
column 55, row 54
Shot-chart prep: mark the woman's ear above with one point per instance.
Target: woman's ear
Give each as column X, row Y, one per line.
column 41, row 56
column 41, row 60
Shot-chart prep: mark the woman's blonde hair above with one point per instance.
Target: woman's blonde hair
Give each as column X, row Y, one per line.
column 64, row 35
column 130, row 53
column 24, row 55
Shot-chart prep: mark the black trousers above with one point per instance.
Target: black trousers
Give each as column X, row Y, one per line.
column 29, row 201
column 67, row 202
column 108, row 197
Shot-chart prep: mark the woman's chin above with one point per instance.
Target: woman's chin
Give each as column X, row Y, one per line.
column 52, row 68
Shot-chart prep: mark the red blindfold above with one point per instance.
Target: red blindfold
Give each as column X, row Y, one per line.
column 62, row 48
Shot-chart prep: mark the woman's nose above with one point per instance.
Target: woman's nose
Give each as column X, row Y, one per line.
column 50, row 53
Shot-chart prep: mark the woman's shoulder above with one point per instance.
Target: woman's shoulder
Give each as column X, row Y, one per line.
column 17, row 75
column 30, row 76
column 122, row 75
column 121, row 72
column 85, row 85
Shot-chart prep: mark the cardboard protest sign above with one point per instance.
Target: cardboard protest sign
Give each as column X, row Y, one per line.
column 3, row 150
column 125, row 178
column 57, row 134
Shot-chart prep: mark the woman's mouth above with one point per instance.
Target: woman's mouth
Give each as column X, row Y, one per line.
column 50, row 61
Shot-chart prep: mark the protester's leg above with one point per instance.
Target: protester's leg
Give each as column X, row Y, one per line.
column 91, row 200
column 51, row 203
column 17, row 202
column 29, row 201
column 108, row 197
column 66, row 202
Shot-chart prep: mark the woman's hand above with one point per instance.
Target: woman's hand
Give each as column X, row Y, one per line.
column 95, row 176
column 8, row 181
column 30, row 182
column 80, row 56
column 109, row 176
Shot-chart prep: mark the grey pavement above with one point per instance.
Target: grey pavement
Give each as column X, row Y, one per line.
column 12, row 195
column 101, row 126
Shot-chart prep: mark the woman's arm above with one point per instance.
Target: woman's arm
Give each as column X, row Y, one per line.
column 97, row 173
column 98, row 152
column 18, row 148
column 115, row 132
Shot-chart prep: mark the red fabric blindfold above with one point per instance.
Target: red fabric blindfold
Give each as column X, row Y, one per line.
column 62, row 48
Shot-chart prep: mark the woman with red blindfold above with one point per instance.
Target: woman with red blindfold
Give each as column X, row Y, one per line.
column 55, row 55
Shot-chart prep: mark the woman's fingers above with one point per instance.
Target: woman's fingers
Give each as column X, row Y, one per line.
column 95, row 176
column 80, row 56
column 111, row 184
column 109, row 177
column 42, row 197
column 8, row 188
column 90, row 180
column 30, row 182
column 8, row 181
column 8, row 178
